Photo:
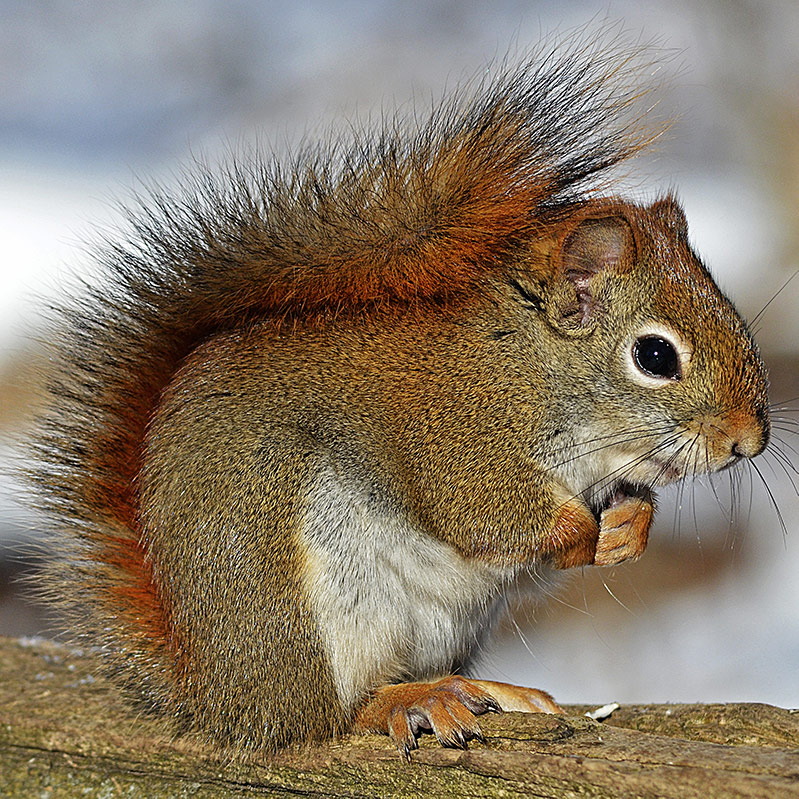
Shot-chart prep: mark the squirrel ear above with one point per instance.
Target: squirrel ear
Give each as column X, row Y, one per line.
column 594, row 247
column 670, row 213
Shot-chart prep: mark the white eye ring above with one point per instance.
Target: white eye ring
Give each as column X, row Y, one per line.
column 652, row 366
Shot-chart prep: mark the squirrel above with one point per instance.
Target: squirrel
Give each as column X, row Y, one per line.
column 323, row 415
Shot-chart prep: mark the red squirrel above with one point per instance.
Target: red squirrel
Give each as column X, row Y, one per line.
column 321, row 416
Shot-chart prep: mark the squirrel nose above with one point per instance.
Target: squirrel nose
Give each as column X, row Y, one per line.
column 749, row 433
column 749, row 446
column 737, row 451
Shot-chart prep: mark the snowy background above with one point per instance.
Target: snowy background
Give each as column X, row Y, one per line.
column 96, row 95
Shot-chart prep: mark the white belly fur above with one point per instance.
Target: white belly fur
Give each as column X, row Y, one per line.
column 391, row 602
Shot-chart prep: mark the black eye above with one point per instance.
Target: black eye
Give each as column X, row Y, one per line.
column 657, row 357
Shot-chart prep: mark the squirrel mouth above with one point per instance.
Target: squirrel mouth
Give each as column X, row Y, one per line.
column 619, row 492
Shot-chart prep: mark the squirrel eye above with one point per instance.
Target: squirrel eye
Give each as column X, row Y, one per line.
column 657, row 357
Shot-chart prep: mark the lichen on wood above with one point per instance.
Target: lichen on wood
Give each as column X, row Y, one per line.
column 65, row 732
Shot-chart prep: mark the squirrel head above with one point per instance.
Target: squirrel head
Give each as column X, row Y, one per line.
column 643, row 353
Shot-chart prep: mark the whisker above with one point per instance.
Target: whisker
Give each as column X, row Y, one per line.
column 791, row 423
column 776, row 449
column 678, row 508
column 772, row 500
column 735, row 478
column 739, row 522
column 663, row 445
column 774, row 406
column 774, row 297
column 617, row 600
column 787, row 467
column 784, row 420
column 698, row 535
column 669, row 461
column 609, row 478
column 522, row 637
column 750, row 472
column 590, row 615
column 633, row 431
column 785, row 444
column 550, row 594
column 711, row 482
column 637, row 437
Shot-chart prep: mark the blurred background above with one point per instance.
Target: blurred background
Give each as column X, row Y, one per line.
column 98, row 94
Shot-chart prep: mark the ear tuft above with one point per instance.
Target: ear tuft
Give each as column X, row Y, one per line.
column 595, row 246
column 670, row 213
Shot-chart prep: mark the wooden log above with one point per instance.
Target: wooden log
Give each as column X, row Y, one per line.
column 66, row 733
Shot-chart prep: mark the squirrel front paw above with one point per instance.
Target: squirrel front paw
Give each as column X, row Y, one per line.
column 447, row 707
column 624, row 527
column 574, row 536
column 619, row 531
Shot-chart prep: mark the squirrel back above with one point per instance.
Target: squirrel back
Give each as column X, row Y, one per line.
column 403, row 220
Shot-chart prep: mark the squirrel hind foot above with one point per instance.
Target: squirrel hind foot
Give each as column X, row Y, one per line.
column 448, row 708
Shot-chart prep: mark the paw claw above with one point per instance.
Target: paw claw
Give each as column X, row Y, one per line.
column 447, row 707
column 455, row 738
column 491, row 705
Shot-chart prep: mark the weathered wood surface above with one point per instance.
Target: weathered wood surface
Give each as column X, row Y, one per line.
column 66, row 734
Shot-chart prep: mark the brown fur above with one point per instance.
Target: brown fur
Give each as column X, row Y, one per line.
column 419, row 320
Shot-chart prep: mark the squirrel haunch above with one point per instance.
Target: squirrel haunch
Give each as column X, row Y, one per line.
column 321, row 416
